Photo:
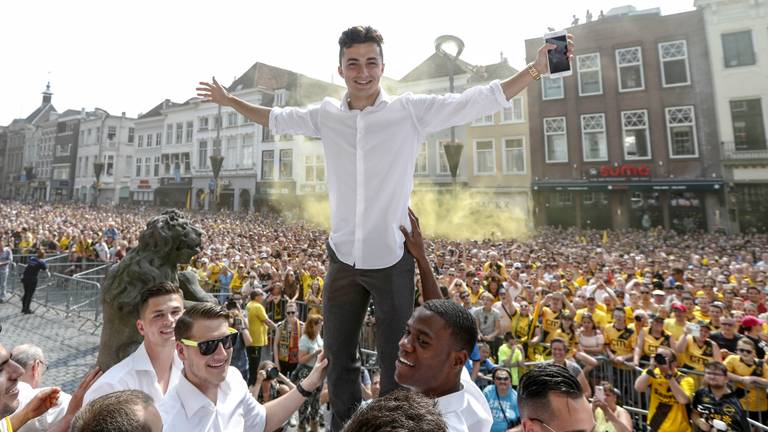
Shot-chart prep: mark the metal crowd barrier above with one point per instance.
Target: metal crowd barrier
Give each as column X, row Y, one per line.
column 64, row 294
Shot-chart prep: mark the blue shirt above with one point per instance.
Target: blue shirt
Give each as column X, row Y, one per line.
column 497, row 403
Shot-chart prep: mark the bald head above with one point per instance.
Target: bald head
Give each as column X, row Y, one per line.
column 31, row 358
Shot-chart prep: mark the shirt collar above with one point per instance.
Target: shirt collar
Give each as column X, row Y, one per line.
column 383, row 98
column 454, row 402
column 192, row 399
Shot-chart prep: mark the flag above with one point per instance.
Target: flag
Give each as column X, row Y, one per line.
column 605, row 236
column 189, row 198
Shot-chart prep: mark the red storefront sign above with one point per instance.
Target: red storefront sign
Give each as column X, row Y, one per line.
column 625, row 170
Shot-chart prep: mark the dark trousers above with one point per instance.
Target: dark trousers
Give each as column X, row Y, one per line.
column 254, row 358
column 29, row 290
column 345, row 302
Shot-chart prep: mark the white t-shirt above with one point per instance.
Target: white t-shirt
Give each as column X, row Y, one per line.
column 309, row 345
column 45, row 421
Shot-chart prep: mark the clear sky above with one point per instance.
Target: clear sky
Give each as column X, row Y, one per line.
column 128, row 56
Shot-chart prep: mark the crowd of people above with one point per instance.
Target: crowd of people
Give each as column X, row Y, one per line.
column 686, row 314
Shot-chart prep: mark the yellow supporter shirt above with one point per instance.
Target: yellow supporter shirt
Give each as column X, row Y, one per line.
column 64, row 243
column 662, row 399
column 520, row 326
column 237, row 282
column 475, row 298
column 620, row 342
column 257, row 323
column 213, row 273
column 652, row 344
column 756, row 399
column 701, row 316
column 674, row 330
column 550, row 324
column 695, row 356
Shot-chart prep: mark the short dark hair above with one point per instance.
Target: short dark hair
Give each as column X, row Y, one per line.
column 158, row 290
column 537, row 384
column 560, row 341
column 460, row 321
column 360, row 35
column 713, row 365
column 415, row 413
column 198, row 311
column 113, row 412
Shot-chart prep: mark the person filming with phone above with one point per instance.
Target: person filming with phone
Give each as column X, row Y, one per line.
column 609, row 416
column 671, row 391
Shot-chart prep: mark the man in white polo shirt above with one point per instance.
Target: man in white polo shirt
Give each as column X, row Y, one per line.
column 371, row 141
column 154, row 367
column 211, row 396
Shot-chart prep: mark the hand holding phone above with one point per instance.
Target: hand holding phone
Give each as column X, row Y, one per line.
column 600, row 393
column 559, row 64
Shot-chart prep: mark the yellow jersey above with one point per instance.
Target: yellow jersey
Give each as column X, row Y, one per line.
column 652, row 344
column 755, row 399
column 620, row 342
column 520, row 326
column 674, row 330
column 550, row 324
column 257, row 323
column 599, row 318
column 665, row 414
column 695, row 356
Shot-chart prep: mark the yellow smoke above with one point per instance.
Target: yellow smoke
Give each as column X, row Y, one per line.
column 460, row 215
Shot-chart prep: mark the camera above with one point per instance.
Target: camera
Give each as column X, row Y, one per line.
column 660, row 359
column 272, row 373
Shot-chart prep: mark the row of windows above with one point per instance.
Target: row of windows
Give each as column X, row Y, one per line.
column 673, row 57
column 484, row 149
column 173, row 164
column 681, row 135
column 85, row 166
column 511, row 114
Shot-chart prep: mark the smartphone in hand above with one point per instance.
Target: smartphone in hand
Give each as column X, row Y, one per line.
column 600, row 393
column 559, row 64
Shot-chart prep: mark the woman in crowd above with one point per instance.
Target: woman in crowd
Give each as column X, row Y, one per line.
column 609, row 416
column 310, row 346
column 649, row 340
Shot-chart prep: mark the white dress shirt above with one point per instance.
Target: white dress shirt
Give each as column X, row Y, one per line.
column 45, row 421
column 466, row 410
column 187, row 409
column 134, row 372
column 370, row 157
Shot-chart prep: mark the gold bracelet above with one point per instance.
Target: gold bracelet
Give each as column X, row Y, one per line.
column 534, row 73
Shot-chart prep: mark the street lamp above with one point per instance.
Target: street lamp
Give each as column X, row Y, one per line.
column 216, row 162
column 444, row 45
column 98, row 167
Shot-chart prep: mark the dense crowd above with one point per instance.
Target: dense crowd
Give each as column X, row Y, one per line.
column 655, row 303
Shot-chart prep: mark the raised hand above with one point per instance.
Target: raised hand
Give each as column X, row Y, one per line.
column 541, row 56
column 213, row 92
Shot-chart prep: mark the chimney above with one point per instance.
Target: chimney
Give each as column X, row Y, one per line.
column 82, row 112
column 123, row 114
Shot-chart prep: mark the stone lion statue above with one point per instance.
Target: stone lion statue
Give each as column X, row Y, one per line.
column 168, row 240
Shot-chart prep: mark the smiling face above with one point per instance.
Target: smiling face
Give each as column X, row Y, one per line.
column 10, row 372
column 362, row 68
column 426, row 363
column 201, row 370
column 158, row 318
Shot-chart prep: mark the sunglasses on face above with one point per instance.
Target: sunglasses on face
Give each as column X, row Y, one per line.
column 502, row 379
column 290, row 313
column 210, row 346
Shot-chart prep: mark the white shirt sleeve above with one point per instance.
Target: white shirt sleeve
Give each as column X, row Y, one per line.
column 437, row 112
column 300, row 121
column 254, row 414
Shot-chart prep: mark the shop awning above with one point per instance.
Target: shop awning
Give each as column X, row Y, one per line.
column 660, row 185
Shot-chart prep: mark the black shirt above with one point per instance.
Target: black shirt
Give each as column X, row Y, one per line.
column 34, row 266
column 727, row 409
column 722, row 342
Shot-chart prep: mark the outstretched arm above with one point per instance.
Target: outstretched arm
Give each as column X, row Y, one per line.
column 515, row 84
column 217, row 94
column 415, row 244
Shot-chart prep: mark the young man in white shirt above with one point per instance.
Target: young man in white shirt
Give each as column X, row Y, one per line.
column 211, row 395
column 154, row 367
column 438, row 339
column 371, row 141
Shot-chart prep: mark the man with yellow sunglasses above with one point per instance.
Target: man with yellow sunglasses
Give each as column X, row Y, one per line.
column 212, row 395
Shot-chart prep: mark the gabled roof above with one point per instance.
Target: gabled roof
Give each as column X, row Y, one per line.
column 500, row 70
column 437, row 66
column 157, row 109
column 39, row 113
column 70, row 112
column 302, row 89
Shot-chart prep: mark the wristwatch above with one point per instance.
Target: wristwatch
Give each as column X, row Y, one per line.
column 302, row 391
